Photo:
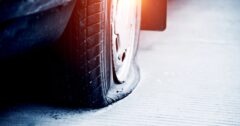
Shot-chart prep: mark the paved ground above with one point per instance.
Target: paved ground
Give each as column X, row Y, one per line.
column 190, row 75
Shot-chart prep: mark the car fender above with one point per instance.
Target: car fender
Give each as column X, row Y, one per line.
column 17, row 8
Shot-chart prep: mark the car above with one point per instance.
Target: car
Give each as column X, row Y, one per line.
column 96, row 39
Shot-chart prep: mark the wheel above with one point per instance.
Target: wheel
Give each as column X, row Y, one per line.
column 99, row 47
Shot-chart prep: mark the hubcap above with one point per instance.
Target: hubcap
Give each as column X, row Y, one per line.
column 123, row 30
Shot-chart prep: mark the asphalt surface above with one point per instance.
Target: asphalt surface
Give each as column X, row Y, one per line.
column 189, row 76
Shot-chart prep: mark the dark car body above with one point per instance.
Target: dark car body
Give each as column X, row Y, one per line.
column 25, row 24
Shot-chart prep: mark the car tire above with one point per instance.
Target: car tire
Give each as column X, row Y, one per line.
column 86, row 49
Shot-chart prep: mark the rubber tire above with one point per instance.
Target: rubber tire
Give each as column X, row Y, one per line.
column 86, row 50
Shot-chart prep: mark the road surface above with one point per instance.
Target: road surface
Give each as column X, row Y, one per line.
column 190, row 75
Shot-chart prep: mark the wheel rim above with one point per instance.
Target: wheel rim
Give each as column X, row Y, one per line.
column 123, row 32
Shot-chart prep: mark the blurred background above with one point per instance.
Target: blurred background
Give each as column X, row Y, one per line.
column 189, row 75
